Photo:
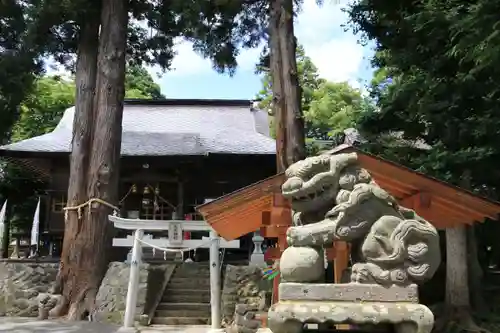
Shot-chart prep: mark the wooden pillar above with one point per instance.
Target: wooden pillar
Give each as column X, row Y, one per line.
column 341, row 262
column 281, row 220
column 180, row 200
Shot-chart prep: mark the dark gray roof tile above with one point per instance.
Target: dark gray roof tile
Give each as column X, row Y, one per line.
column 159, row 130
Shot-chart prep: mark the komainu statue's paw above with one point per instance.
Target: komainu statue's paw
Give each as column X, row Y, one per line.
column 372, row 273
column 299, row 236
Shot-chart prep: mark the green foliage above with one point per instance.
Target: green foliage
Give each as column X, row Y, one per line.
column 336, row 106
column 437, row 81
column 18, row 63
column 329, row 108
column 440, row 59
column 309, row 80
column 140, row 84
column 42, row 110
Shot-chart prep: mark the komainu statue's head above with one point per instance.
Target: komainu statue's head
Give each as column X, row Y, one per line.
column 314, row 183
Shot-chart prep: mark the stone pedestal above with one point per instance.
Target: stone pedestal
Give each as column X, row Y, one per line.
column 349, row 303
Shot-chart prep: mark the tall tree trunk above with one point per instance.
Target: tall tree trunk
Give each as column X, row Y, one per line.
column 88, row 235
column 104, row 164
column 86, row 73
column 279, row 104
column 290, row 138
column 295, row 139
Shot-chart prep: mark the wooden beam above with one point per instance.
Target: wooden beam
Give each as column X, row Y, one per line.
column 408, row 177
column 261, row 204
column 464, row 209
column 435, row 216
column 391, row 182
column 233, row 228
column 393, row 190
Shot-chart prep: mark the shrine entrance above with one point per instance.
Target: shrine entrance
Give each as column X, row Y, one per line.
column 174, row 243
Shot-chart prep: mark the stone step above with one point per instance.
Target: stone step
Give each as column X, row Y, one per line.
column 195, row 264
column 180, row 321
column 184, row 306
column 193, row 268
column 189, row 298
column 190, row 276
column 190, row 273
column 178, row 291
column 183, row 313
column 188, row 283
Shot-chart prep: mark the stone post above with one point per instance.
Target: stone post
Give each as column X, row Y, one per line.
column 257, row 257
column 215, row 283
column 133, row 283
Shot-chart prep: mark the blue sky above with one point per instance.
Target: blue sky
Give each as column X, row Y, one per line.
column 334, row 51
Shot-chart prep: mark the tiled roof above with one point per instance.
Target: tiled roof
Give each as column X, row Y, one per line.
column 172, row 128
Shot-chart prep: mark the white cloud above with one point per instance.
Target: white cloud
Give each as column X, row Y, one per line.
column 187, row 62
column 335, row 52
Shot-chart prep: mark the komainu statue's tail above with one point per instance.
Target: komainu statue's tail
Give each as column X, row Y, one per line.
column 419, row 240
column 415, row 251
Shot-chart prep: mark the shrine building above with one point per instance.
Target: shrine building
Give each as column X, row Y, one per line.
column 176, row 154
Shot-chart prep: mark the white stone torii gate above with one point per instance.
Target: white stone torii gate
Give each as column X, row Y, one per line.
column 175, row 233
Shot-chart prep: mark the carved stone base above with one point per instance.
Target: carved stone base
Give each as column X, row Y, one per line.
column 348, row 303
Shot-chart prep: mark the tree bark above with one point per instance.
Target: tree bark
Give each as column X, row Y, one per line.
column 104, row 164
column 86, row 73
column 295, row 139
column 289, row 122
column 88, row 236
column 279, row 105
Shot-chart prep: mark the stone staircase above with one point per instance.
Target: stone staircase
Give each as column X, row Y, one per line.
column 186, row 300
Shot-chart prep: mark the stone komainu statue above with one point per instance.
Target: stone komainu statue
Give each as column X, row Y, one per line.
column 333, row 198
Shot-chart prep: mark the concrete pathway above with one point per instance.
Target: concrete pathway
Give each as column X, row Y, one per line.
column 175, row 329
column 29, row 325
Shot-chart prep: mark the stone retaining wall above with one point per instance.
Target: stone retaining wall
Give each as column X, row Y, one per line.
column 244, row 285
column 23, row 283
column 112, row 295
column 20, row 285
